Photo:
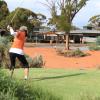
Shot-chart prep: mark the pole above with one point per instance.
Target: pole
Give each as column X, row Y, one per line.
column 16, row 11
column 15, row 15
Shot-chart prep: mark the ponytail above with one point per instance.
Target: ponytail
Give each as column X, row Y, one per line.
column 26, row 33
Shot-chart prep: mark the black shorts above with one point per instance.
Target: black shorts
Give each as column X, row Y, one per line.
column 21, row 58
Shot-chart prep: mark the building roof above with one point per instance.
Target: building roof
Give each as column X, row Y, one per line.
column 81, row 32
column 91, row 31
column 74, row 32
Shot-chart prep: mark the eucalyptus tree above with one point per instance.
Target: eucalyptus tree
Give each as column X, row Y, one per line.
column 63, row 13
column 4, row 11
column 94, row 21
column 23, row 17
column 40, row 20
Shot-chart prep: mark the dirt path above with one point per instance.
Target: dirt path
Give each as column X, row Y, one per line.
column 52, row 60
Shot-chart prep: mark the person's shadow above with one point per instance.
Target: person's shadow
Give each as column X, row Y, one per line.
column 57, row 77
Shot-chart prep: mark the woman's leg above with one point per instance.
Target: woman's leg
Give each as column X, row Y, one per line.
column 24, row 62
column 12, row 62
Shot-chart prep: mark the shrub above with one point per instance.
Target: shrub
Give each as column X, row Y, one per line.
column 98, row 40
column 4, row 47
column 10, row 38
column 94, row 47
column 36, row 62
column 60, row 51
column 4, row 41
column 71, row 53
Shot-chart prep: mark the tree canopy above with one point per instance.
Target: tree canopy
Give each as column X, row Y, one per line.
column 64, row 11
column 94, row 21
column 19, row 17
column 4, row 11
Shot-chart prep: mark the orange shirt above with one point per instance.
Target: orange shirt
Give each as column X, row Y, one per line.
column 19, row 40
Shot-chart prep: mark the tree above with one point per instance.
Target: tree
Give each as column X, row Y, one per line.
column 63, row 13
column 21, row 18
column 3, row 10
column 94, row 21
column 40, row 20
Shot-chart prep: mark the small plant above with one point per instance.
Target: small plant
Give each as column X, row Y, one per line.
column 10, row 38
column 79, row 53
column 71, row 53
column 98, row 40
column 37, row 61
column 60, row 51
column 4, row 41
column 4, row 47
column 94, row 47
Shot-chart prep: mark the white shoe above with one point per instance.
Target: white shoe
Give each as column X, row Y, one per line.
column 25, row 78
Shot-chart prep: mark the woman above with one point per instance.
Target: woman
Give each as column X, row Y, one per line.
column 16, row 50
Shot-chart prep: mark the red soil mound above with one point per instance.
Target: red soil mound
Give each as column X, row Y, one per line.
column 53, row 60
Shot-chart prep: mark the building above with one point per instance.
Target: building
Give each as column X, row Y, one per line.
column 76, row 36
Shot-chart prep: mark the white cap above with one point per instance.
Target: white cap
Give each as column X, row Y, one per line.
column 23, row 28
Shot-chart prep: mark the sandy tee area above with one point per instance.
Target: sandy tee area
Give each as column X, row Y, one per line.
column 53, row 60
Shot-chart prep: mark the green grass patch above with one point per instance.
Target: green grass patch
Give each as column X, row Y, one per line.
column 94, row 47
column 66, row 84
column 13, row 89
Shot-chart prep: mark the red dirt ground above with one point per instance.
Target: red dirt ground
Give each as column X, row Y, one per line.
column 52, row 60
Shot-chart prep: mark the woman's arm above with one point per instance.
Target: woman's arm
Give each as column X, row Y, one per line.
column 12, row 32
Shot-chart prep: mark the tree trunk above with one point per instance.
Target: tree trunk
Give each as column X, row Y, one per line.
column 67, row 41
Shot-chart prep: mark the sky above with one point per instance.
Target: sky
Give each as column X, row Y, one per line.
column 92, row 8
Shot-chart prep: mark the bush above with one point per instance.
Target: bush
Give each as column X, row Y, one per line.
column 94, row 47
column 71, row 53
column 10, row 38
column 36, row 62
column 4, row 47
column 4, row 41
column 98, row 40
column 11, row 89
